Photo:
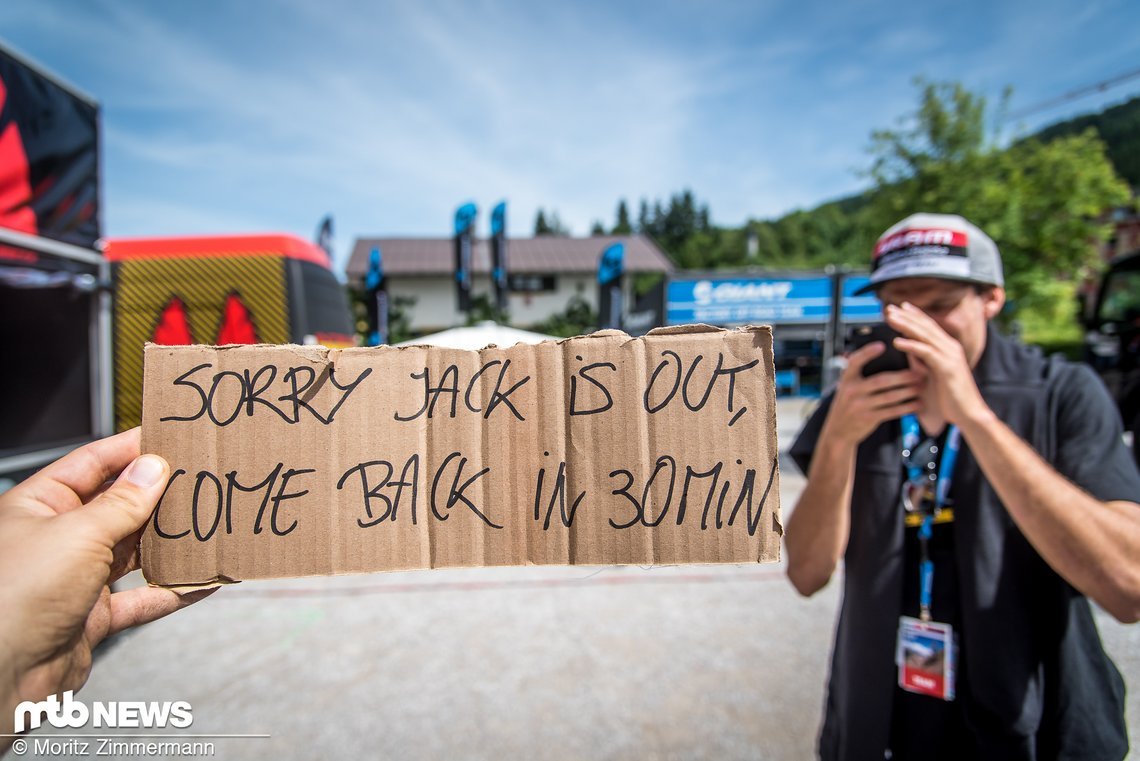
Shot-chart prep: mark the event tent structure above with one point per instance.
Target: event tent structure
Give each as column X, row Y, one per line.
column 478, row 336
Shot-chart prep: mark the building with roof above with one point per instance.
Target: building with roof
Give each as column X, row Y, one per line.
column 545, row 273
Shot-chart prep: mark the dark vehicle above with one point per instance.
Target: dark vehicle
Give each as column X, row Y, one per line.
column 55, row 306
column 1112, row 339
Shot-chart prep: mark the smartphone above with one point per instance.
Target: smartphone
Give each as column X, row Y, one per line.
column 891, row 360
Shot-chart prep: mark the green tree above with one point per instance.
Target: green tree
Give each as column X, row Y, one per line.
column 1118, row 126
column 657, row 220
column 1043, row 203
column 947, row 128
column 400, row 319
column 399, row 316
column 792, row 232
column 674, row 225
column 643, row 217
column 549, row 225
column 483, row 309
column 597, row 229
column 575, row 320
column 622, row 226
column 541, row 226
column 767, row 242
column 701, row 250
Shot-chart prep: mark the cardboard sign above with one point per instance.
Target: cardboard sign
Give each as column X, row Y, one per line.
column 603, row 449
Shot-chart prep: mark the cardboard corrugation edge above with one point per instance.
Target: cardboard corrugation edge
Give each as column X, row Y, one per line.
column 331, row 358
column 186, row 589
column 777, row 524
column 645, row 445
column 218, row 579
column 306, row 351
column 674, row 330
column 149, row 347
column 699, row 327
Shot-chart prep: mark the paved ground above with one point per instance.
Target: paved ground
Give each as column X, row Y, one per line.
column 719, row 662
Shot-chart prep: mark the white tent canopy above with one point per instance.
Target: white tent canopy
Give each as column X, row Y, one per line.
column 479, row 336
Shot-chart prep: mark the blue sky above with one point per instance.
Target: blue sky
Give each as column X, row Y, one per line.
column 259, row 115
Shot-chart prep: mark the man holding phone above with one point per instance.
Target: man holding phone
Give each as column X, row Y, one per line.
column 979, row 497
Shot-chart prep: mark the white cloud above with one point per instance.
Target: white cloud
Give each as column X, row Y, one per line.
column 264, row 113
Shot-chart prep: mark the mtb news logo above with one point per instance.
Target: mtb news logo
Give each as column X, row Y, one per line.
column 74, row 714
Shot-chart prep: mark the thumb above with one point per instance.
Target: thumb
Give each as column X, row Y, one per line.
column 122, row 509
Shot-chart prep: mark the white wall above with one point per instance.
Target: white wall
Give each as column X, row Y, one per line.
column 435, row 307
column 529, row 308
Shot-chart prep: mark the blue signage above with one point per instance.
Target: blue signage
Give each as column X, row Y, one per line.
column 740, row 301
column 611, row 265
column 865, row 308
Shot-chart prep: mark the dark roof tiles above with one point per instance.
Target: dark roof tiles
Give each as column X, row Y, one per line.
column 546, row 254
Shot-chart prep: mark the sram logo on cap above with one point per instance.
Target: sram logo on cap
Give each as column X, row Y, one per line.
column 911, row 238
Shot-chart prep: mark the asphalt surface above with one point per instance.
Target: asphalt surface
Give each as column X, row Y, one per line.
column 687, row 662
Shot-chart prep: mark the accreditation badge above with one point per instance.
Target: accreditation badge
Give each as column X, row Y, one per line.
column 926, row 657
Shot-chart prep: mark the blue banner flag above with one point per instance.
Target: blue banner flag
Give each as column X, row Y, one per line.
column 612, row 264
column 464, row 224
column 499, row 263
column 465, row 218
column 611, row 267
column 376, row 299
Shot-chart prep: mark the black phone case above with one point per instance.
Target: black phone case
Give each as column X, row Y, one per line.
column 891, row 360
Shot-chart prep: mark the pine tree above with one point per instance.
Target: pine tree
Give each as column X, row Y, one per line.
column 622, row 227
column 541, row 227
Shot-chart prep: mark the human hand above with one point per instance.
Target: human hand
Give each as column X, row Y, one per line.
column 65, row 536
column 942, row 358
column 861, row 404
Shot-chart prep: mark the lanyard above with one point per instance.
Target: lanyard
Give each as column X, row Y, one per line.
column 920, row 480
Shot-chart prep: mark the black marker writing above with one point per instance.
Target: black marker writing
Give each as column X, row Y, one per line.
column 249, row 389
column 378, row 483
column 640, row 507
column 455, row 493
column 671, row 367
column 449, row 385
column 665, row 470
column 210, row 502
column 409, row 479
column 584, row 372
column 557, row 494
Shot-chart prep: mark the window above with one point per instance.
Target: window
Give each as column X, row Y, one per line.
column 532, row 283
column 1121, row 300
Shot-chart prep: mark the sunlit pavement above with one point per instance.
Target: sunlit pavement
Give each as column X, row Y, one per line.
column 718, row 662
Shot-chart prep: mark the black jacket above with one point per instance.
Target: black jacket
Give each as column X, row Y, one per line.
column 1040, row 683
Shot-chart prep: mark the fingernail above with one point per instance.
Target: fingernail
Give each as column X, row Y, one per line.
column 146, row 471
